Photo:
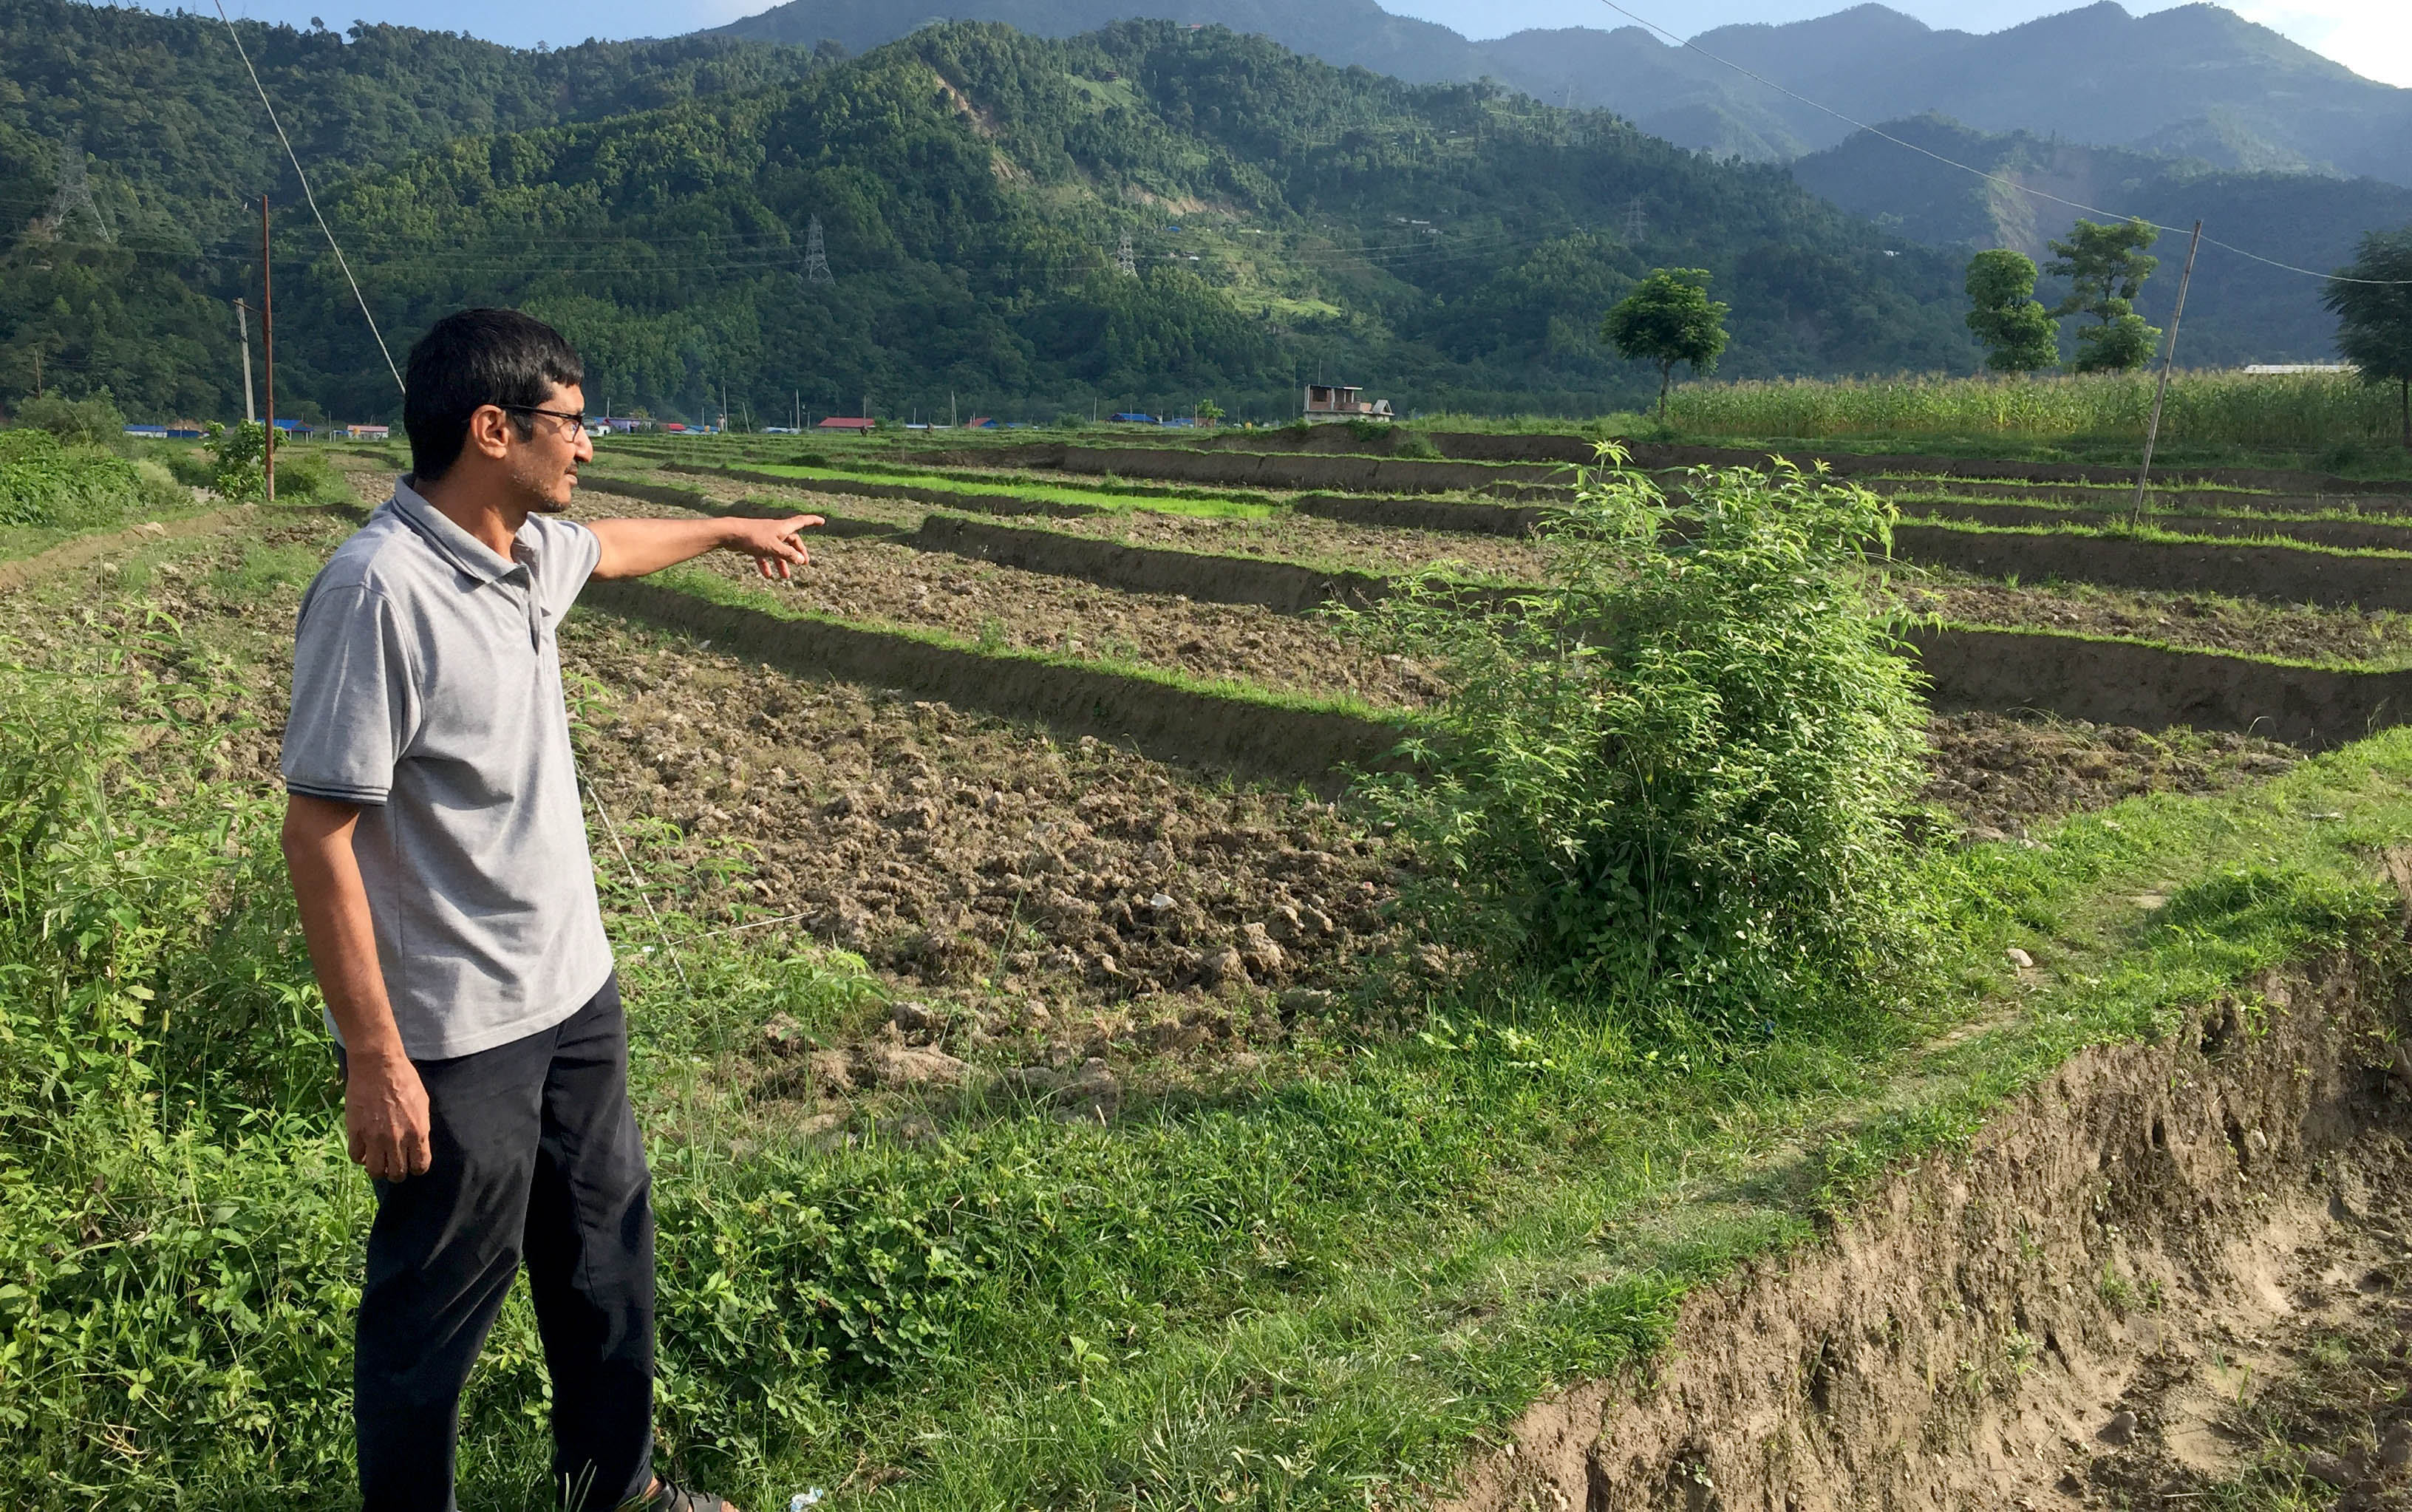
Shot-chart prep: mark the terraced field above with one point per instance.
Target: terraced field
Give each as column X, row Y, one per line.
column 1051, row 1111
column 738, row 743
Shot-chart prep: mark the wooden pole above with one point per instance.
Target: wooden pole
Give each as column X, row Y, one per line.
column 243, row 336
column 267, row 340
column 2168, row 360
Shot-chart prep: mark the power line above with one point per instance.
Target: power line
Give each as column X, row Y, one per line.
column 295, row 160
column 1994, row 178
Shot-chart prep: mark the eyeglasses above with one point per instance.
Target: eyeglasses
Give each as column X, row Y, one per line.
column 577, row 419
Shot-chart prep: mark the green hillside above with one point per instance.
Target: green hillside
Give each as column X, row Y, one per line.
column 2237, row 311
column 2194, row 79
column 1445, row 246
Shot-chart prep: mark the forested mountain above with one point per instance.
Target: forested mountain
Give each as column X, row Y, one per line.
column 175, row 150
column 2238, row 310
column 2196, row 80
column 1442, row 245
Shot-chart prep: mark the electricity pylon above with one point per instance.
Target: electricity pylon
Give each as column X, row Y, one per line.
column 816, row 268
column 74, row 194
column 1125, row 263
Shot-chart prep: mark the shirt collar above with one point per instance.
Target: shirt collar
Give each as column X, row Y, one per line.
column 455, row 545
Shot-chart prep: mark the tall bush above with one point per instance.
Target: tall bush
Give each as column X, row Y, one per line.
column 1672, row 775
column 54, row 486
column 95, row 421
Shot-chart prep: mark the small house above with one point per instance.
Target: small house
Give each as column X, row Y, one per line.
column 1339, row 401
column 846, row 423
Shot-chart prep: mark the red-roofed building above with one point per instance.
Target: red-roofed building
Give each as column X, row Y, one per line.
column 844, row 422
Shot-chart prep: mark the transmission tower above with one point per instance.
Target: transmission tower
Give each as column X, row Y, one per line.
column 1125, row 263
column 817, row 269
column 74, row 194
column 1633, row 220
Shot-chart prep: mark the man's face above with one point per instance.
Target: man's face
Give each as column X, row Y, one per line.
column 544, row 467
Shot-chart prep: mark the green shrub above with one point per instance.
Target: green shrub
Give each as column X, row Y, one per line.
column 192, row 466
column 1672, row 776
column 95, row 421
column 49, row 485
column 305, row 477
column 241, row 453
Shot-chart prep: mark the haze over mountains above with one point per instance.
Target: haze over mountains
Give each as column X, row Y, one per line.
column 2197, row 81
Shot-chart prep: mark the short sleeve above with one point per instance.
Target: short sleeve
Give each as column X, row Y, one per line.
column 566, row 552
column 355, row 701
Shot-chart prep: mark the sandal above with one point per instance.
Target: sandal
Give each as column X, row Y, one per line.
column 670, row 1497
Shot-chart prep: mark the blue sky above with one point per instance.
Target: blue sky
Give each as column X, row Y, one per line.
column 2371, row 36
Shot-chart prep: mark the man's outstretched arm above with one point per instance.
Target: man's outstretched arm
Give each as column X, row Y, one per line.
column 632, row 548
column 385, row 1106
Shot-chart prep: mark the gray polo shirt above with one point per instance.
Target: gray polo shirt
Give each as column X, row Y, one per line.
column 427, row 690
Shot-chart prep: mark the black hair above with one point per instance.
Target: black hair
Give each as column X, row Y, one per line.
column 473, row 359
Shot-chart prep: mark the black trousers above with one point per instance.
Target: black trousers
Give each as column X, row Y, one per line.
column 537, row 1159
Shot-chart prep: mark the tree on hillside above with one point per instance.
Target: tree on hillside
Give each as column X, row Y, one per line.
column 1668, row 318
column 2106, row 266
column 2014, row 326
column 2375, row 317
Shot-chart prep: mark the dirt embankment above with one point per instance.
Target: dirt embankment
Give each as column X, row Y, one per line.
column 2174, row 1275
column 2198, row 622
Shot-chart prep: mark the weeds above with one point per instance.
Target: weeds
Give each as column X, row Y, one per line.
column 1673, row 774
column 46, row 483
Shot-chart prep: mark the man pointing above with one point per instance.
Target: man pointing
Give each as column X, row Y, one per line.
column 438, row 852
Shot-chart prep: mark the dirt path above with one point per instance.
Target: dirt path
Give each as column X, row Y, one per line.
column 69, row 555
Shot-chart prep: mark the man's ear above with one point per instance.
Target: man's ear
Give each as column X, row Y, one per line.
column 488, row 426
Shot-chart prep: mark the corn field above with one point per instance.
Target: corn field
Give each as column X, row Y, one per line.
column 2297, row 411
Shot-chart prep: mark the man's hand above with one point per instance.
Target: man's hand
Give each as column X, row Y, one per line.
column 632, row 548
column 385, row 1116
column 774, row 544
column 385, row 1105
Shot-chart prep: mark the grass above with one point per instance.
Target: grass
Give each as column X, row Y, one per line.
column 2300, row 412
column 1304, row 1288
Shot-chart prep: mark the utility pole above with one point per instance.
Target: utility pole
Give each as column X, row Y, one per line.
column 268, row 339
column 2168, row 360
column 242, row 337
column 37, row 373
column 799, row 409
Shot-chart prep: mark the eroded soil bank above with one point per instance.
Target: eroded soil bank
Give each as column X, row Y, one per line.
column 2174, row 1275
